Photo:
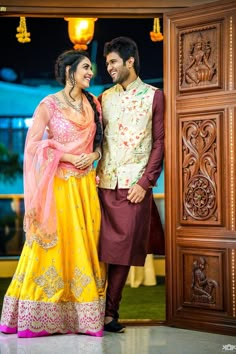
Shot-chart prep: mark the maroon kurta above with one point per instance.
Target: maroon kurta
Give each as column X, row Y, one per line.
column 125, row 228
column 156, row 237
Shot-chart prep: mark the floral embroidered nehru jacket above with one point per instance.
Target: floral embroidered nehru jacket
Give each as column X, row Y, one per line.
column 133, row 136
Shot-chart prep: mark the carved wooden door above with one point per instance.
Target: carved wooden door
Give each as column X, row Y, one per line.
column 200, row 91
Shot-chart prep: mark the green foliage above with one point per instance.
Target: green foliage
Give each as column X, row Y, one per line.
column 10, row 165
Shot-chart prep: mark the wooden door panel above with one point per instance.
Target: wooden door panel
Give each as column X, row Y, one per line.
column 210, row 294
column 200, row 60
column 199, row 55
column 200, row 165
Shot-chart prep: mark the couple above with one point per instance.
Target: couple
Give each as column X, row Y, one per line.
column 78, row 251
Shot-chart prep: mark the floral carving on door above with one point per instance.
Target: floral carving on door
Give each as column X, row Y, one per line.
column 200, row 168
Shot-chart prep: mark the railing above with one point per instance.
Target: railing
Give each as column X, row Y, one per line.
column 11, row 225
column 12, row 236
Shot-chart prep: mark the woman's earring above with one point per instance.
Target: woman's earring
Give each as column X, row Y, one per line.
column 73, row 82
column 70, row 82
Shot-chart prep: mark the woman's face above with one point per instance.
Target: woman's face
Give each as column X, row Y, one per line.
column 83, row 73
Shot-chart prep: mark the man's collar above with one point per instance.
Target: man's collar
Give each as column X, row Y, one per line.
column 133, row 85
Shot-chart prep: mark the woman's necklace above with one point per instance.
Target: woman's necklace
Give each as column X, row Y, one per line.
column 78, row 107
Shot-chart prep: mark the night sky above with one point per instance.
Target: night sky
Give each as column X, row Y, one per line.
column 49, row 37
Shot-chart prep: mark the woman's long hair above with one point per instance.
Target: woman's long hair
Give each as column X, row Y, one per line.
column 72, row 58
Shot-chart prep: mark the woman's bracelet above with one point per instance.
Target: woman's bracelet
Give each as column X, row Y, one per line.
column 100, row 155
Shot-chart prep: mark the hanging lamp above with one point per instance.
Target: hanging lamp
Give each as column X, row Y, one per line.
column 81, row 31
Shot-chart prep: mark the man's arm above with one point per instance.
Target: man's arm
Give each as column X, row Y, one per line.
column 154, row 166
column 155, row 162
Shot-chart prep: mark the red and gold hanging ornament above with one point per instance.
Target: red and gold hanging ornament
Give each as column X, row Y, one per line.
column 156, row 35
column 23, row 36
column 81, row 31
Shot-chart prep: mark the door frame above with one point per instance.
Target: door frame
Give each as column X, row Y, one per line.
column 149, row 9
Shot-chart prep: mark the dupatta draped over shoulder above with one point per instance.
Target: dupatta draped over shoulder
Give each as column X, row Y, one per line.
column 55, row 130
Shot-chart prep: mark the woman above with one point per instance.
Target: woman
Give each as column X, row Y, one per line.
column 59, row 284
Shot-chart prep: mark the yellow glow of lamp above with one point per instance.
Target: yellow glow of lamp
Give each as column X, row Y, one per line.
column 81, row 31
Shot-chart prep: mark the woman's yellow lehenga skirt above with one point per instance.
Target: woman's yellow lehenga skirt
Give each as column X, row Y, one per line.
column 61, row 289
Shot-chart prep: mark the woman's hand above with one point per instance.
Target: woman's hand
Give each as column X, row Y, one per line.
column 83, row 161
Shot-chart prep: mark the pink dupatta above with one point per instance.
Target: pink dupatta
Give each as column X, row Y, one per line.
column 51, row 134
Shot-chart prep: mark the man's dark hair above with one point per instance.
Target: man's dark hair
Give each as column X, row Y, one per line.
column 125, row 47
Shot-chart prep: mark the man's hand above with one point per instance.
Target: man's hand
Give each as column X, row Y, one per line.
column 136, row 194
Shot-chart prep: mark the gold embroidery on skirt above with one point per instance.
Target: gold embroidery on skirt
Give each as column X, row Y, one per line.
column 100, row 282
column 19, row 277
column 51, row 282
column 79, row 282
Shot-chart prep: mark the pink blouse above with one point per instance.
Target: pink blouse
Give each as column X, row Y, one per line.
column 56, row 129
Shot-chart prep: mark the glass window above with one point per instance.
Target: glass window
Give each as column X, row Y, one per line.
column 13, row 132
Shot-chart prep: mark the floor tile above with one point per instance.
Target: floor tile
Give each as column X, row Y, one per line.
column 136, row 340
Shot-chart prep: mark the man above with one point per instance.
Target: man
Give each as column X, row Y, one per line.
column 132, row 159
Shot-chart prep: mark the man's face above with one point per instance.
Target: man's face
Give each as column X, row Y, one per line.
column 116, row 68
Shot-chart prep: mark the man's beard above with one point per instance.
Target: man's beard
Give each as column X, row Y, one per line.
column 123, row 76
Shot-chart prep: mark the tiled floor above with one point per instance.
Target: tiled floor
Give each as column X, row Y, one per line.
column 136, row 340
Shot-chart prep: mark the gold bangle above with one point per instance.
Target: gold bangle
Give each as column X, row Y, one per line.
column 100, row 155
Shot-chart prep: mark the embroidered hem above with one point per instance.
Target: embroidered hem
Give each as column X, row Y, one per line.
column 34, row 318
